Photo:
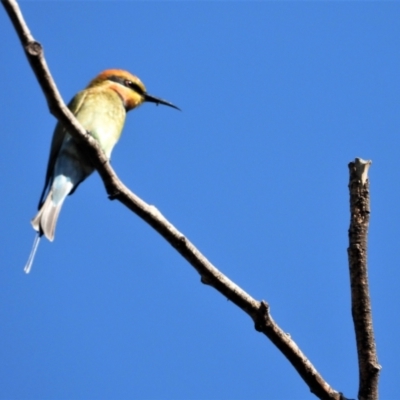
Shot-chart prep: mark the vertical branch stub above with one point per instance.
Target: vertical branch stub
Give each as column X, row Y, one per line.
column 358, row 266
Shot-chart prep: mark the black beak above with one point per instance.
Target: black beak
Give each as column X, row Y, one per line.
column 152, row 99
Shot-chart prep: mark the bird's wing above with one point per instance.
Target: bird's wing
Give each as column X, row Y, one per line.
column 58, row 137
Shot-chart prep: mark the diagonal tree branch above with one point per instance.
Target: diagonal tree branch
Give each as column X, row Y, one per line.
column 360, row 299
column 258, row 311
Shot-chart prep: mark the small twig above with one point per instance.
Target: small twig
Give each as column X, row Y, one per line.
column 360, row 299
column 258, row 311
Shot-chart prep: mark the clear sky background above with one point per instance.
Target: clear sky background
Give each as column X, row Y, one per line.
column 277, row 99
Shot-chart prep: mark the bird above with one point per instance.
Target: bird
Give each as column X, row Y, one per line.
column 101, row 109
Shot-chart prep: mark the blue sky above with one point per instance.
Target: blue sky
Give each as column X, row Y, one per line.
column 277, row 98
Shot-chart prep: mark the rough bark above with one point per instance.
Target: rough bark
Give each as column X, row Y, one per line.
column 360, row 297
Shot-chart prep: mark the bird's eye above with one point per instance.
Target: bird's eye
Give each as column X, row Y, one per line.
column 134, row 86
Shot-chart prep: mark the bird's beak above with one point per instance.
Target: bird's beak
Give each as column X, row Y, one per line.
column 152, row 99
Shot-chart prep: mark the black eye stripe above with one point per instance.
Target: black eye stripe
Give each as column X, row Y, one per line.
column 134, row 86
column 125, row 82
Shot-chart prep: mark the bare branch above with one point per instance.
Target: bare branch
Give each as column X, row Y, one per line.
column 360, row 299
column 258, row 311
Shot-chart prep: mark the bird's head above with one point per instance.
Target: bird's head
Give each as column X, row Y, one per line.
column 129, row 87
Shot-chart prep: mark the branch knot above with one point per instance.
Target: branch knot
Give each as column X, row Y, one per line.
column 34, row 48
column 261, row 320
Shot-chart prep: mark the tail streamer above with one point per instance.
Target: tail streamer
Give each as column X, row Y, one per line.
column 29, row 263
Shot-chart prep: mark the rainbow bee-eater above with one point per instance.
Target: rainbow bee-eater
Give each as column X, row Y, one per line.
column 101, row 109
